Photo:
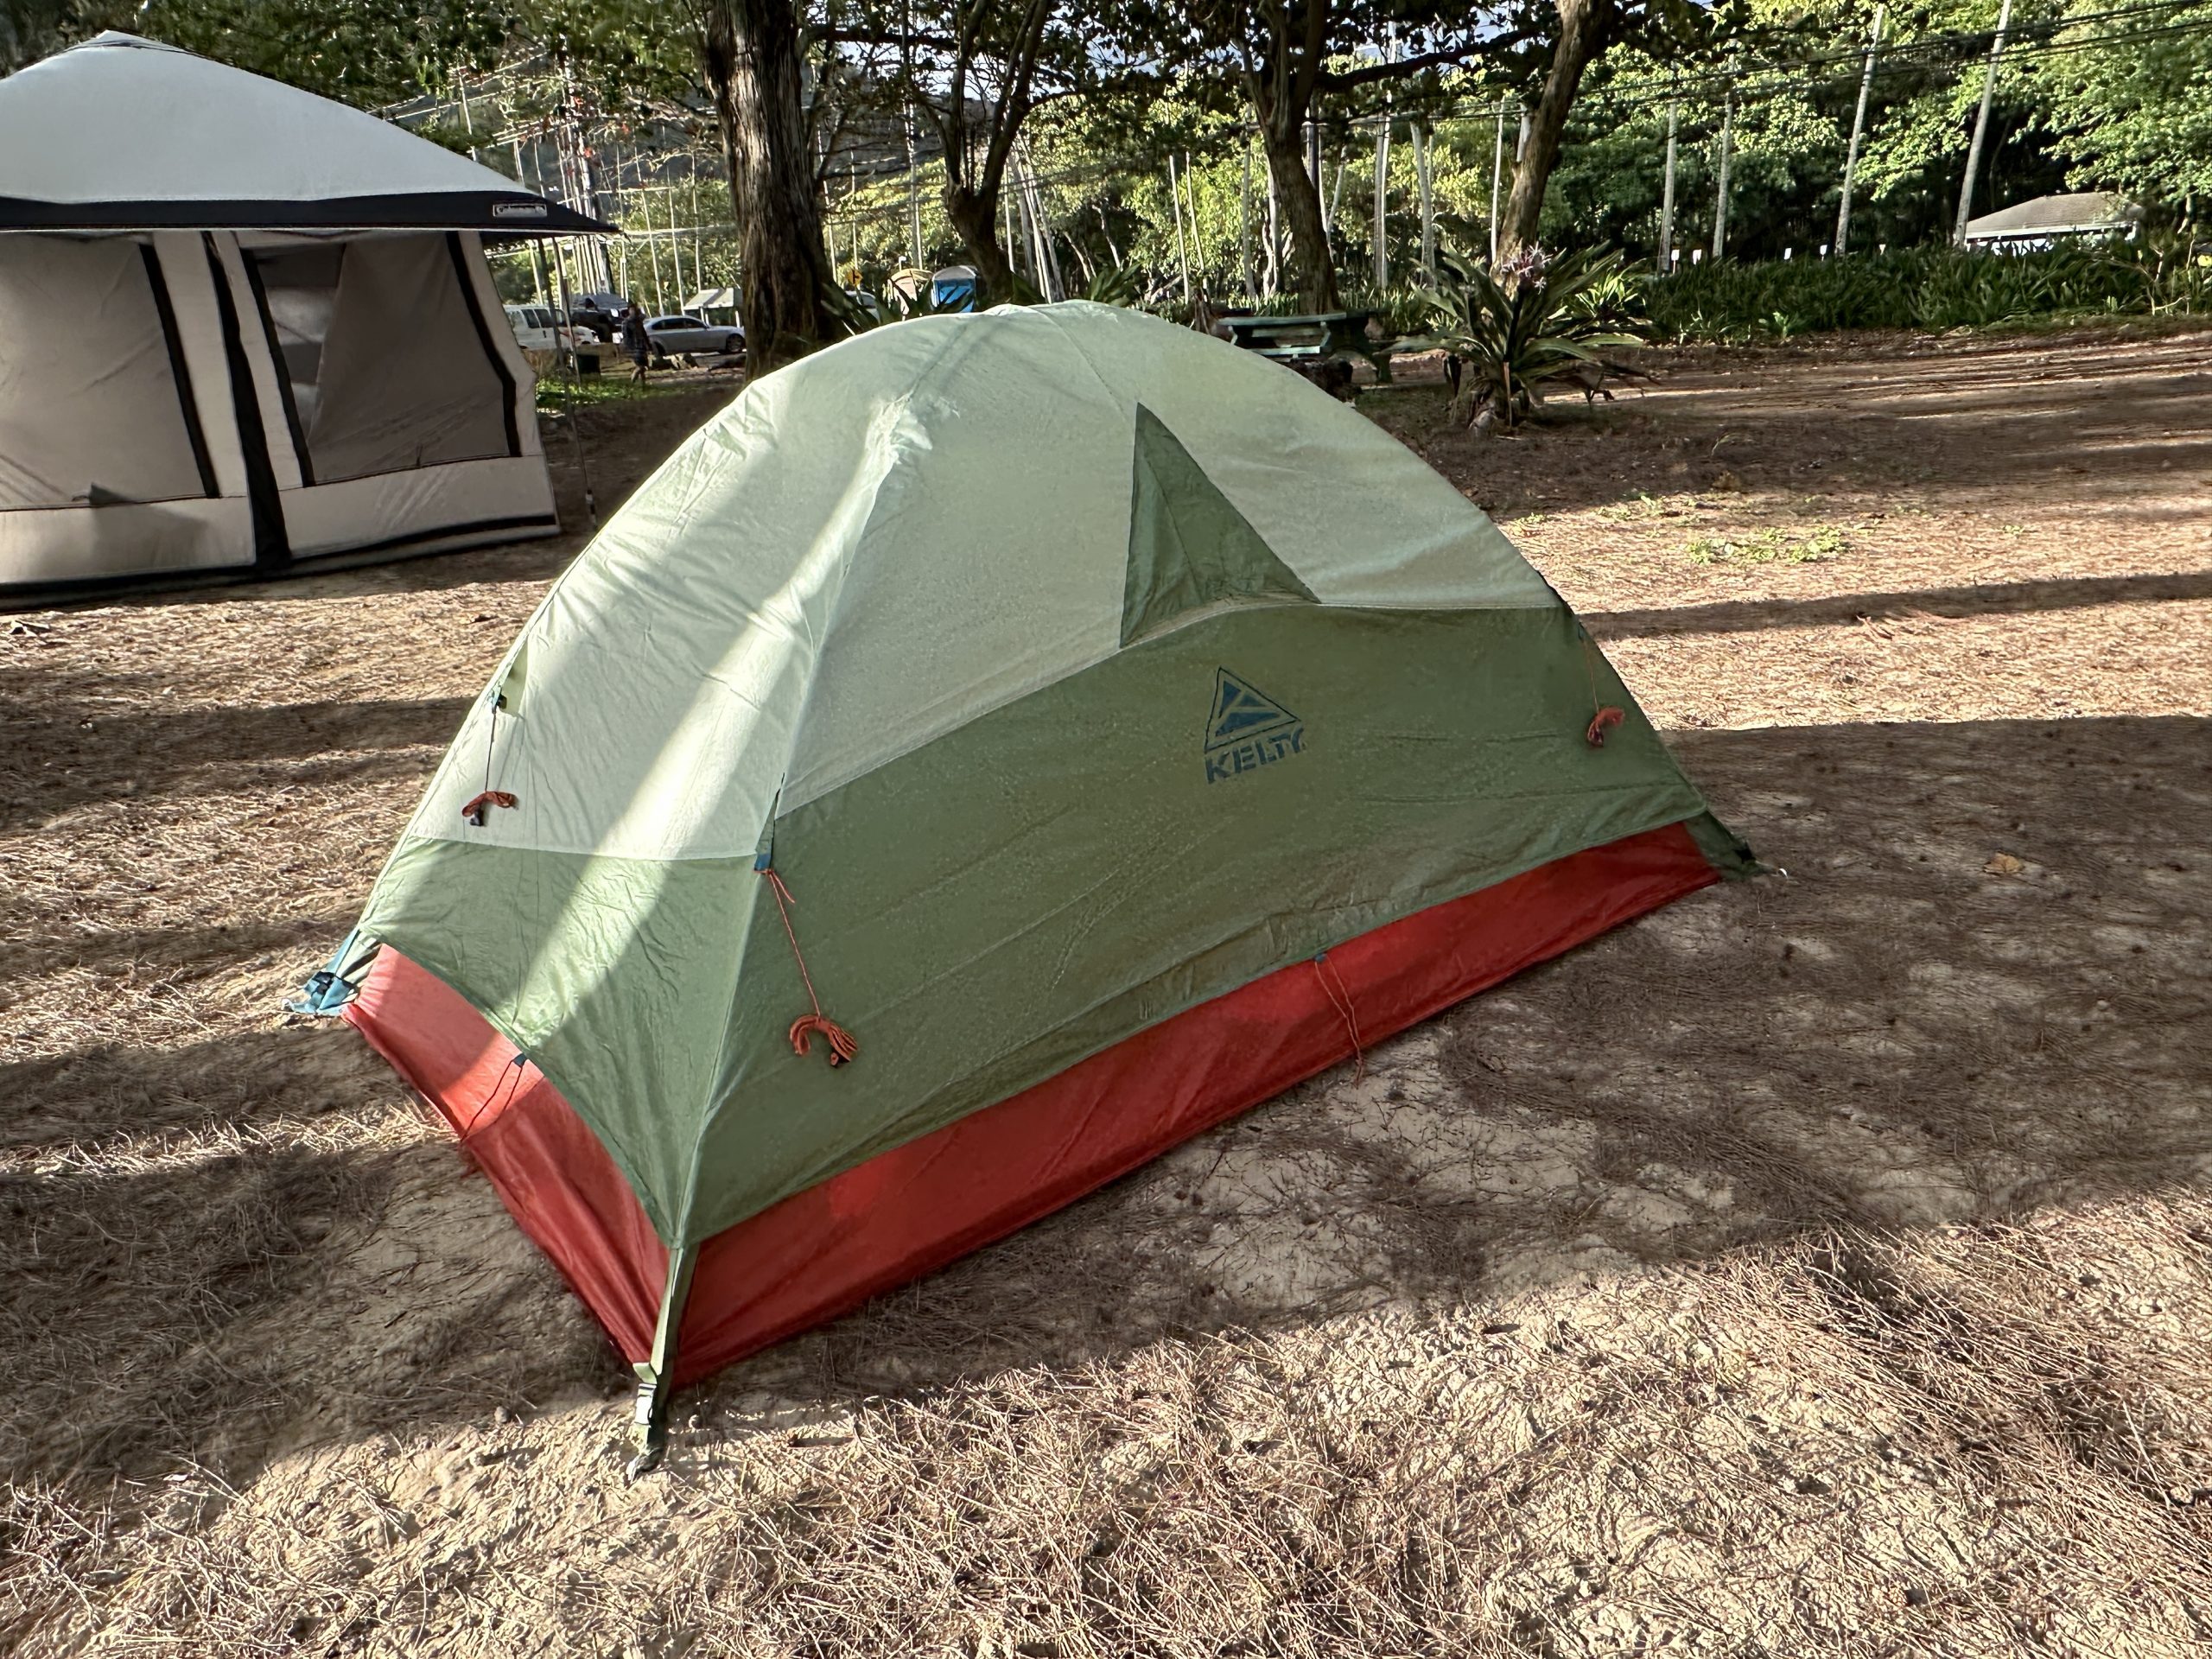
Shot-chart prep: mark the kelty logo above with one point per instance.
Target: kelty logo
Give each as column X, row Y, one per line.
column 1247, row 729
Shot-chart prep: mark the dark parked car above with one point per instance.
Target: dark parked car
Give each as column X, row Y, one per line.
column 601, row 313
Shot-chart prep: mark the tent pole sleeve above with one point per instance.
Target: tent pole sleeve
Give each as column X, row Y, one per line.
column 656, row 1376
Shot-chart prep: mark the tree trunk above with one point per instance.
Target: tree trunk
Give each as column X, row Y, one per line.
column 974, row 211
column 1312, row 272
column 1583, row 26
column 751, row 58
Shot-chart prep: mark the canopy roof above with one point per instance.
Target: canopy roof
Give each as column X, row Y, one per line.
column 2082, row 213
column 127, row 134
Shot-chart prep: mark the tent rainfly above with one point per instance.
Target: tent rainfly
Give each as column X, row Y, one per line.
column 1074, row 729
column 246, row 332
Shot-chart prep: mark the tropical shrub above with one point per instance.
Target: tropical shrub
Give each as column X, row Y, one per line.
column 1931, row 288
column 1515, row 330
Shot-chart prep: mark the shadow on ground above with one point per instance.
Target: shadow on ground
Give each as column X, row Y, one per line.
column 2018, row 426
column 1891, row 1035
column 1976, row 599
column 1981, row 988
column 77, row 746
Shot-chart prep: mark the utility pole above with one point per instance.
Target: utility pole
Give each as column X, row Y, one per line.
column 913, row 196
column 652, row 242
column 698, row 219
column 675, row 248
column 1497, row 172
column 1427, row 182
column 1018, row 181
column 1720, row 201
column 907, row 115
column 621, row 284
column 1666, row 196
column 828, row 200
column 587, row 186
column 536, row 243
column 1175, row 201
column 1245, row 226
column 1042, row 255
column 1858, row 126
column 468, row 116
column 1273, row 279
column 1981, row 125
column 1382, row 203
column 1383, row 175
column 1197, row 242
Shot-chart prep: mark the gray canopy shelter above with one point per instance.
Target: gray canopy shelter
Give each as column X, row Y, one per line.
column 246, row 332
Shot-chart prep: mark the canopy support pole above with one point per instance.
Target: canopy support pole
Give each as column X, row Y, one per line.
column 574, row 378
column 656, row 1376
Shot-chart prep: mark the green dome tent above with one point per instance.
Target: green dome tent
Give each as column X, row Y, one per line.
column 1085, row 728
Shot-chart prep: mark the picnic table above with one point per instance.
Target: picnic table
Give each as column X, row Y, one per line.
column 1311, row 340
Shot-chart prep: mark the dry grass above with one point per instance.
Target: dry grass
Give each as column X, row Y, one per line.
column 1821, row 1265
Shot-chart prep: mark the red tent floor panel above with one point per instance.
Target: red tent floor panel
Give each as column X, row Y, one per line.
column 911, row 1209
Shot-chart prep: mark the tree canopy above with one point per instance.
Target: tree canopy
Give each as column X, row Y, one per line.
column 1204, row 145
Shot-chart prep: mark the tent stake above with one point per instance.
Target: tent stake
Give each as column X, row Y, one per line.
column 656, row 1375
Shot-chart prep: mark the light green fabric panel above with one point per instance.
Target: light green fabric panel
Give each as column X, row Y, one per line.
column 872, row 547
column 1189, row 547
column 614, row 976
column 984, row 911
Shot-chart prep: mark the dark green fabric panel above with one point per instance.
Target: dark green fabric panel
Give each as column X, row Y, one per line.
column 985, row 910
column 1726, row 850
column 1189, row 547
column 614, row 976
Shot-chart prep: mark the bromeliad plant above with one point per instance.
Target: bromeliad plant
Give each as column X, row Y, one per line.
column 1535, row 320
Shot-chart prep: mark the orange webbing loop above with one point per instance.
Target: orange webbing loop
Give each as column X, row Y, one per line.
column 1340, row 999
column 475, row 810
column 1603, row 715
column 842, row 1045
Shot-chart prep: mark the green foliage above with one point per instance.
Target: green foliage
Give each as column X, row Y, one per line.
column 2085, row 99
column 1771, row 545
column 857, row 313
column 1111, row 285
column 2170, row 271
column 365, row 53
column 2126, row 104
column 1932, row 289
column 1401, row 308
column 1516, row 328
column 1613, row 299
column 2136, row 115
column 558, row 393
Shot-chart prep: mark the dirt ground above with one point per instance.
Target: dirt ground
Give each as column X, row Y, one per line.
column 1821, row 1265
